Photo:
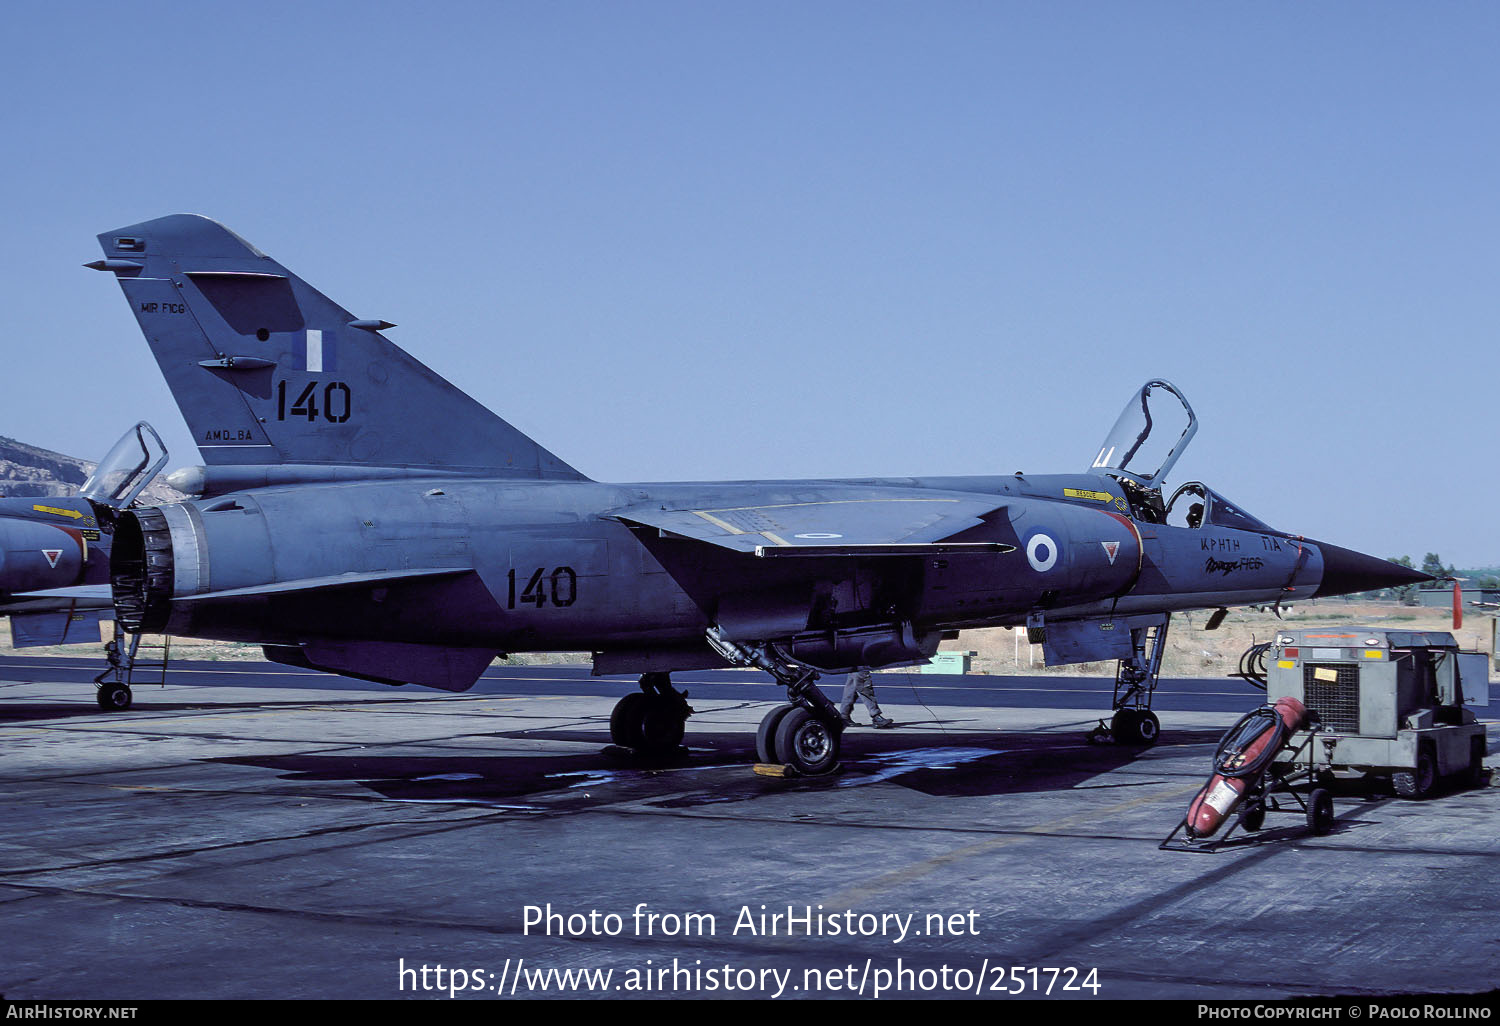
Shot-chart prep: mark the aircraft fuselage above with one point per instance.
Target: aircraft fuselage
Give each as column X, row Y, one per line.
column 541, row 566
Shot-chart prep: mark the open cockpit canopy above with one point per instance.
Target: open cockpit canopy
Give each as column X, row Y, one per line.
column 1152, row 432
column 127, row 469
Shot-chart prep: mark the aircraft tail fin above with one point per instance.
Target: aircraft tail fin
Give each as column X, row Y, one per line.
column 267, row 370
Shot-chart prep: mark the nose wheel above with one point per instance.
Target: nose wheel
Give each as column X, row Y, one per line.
column 113, row 696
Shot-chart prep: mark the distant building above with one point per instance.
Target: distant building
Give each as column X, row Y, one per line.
column 1443, row 596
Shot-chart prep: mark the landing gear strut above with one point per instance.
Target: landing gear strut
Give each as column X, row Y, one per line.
column 651, row 721
column 125, row 655
column 112, row 687
column 806, row 733
column 1133, row 722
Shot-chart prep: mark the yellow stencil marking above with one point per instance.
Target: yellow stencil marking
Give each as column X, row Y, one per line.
column 717, row 522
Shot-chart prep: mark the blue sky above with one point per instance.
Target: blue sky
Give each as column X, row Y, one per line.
column 695, row 241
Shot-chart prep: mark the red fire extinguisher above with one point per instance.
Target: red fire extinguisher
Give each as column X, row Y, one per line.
column 1244, row 755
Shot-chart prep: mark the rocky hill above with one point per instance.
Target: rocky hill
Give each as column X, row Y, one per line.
column 27, row 471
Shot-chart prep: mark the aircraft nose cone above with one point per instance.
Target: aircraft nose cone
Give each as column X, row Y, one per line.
column 1346, row 571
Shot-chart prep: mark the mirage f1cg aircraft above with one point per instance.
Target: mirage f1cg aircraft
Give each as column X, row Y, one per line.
column 358, row 514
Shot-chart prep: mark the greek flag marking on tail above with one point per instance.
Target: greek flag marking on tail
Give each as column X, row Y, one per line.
column 321, row 352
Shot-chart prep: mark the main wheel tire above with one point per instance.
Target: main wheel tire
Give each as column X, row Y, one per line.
column 661, row 725
column 1252, row 816
column 765, row 737
column 1417, row 783
column 806, row 743
column 625, row 721
column 1319, row 811
column 1147, row 728
column 113, row 697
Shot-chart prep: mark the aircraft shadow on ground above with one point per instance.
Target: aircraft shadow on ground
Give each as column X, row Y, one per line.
column 16, row 712
column 928, row 762
column 27, row 712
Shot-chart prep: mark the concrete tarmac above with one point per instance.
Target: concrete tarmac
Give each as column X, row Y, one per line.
column 252, row 839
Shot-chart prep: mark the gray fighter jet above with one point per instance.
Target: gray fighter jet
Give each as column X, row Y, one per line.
column 54, row 557
column 360, row 515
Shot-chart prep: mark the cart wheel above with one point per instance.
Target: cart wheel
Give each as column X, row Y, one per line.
column 1474, row 776
column 1419, row 782
column 1252, row 816
column 1319, row 811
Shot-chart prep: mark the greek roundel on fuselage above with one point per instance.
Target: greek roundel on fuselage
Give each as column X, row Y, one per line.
column 1041, row 552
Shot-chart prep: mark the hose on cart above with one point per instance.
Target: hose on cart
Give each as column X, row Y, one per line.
column 1253, row 665
column 1229, row 759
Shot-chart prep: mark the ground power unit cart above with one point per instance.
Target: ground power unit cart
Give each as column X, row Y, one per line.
column 1385, row 703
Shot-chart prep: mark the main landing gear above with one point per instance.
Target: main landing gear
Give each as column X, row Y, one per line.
column 806, row 733
column 795, row 736
column 651, row 722
column 1133, row 722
